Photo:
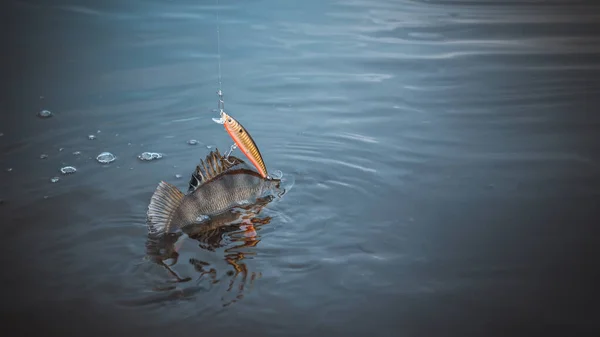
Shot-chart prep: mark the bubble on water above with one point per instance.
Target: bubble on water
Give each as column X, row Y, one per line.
column 147, row 156
column 106, row 158
column 193, row 142
column 43, row 156
column 45, row 197
column 91, row 137
column 209, row 146
column 44, row 114
column 98, row 131
column 9, row 169
column 76, row 153
column 54, row 179
column 61, row 149
column 178, row 176
column 68, row 170
column 1, row 134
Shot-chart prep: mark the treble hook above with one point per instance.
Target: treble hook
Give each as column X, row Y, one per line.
column 231, row 149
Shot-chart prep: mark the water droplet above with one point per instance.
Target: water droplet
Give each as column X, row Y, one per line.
column 43, row 156
column 202, row 218
column 277, row 174
column 178, row 176
column 147, row 156
column 106, row 158
column 98, row 131
column 209, row 146
column 68, row 170
column 192, row 142
column 54, row 179
column 44, row 114
column 91, row 137
column 128, row 144
column 61, row 149
column 9, row 169
column 77, row 153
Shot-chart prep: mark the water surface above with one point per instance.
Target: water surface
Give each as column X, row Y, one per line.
column 444, row 155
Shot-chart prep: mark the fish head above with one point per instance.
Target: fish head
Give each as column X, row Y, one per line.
column 272, row 187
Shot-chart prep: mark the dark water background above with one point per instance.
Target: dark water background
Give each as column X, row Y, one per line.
column 444, row 156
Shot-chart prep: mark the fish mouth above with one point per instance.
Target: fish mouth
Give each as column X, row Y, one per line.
column 281, row 183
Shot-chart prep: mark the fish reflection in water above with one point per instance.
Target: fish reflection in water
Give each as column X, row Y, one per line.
column 235, row 230
column 220, row 210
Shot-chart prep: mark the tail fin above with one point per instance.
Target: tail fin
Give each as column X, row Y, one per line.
column 163, row 204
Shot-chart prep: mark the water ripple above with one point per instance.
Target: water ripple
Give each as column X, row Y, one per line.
column 415, row 132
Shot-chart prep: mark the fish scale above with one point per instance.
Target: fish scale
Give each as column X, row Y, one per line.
column 217, row 184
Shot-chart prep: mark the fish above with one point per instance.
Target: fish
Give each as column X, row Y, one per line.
column 217, row 184
column 244, row 141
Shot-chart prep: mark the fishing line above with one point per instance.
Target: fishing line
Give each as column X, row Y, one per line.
column 220, row 92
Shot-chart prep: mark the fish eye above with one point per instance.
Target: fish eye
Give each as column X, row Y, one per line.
column 241, row 131
column 229, row 120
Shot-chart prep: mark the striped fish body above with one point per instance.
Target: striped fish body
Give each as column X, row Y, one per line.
column 218, row 195
column 217, row 185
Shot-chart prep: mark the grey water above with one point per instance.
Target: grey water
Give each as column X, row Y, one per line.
column 444, row 157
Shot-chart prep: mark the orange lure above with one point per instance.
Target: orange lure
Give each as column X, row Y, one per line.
column 244, row 142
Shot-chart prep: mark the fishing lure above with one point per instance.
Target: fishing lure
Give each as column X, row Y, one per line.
column 243, row 141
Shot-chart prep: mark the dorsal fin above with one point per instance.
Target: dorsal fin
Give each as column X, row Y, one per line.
column 211, row 167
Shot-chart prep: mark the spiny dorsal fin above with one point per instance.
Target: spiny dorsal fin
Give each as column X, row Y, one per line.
column 163, row 204
column 211, row 167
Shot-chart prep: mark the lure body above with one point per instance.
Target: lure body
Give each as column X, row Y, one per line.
column 244, row 142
